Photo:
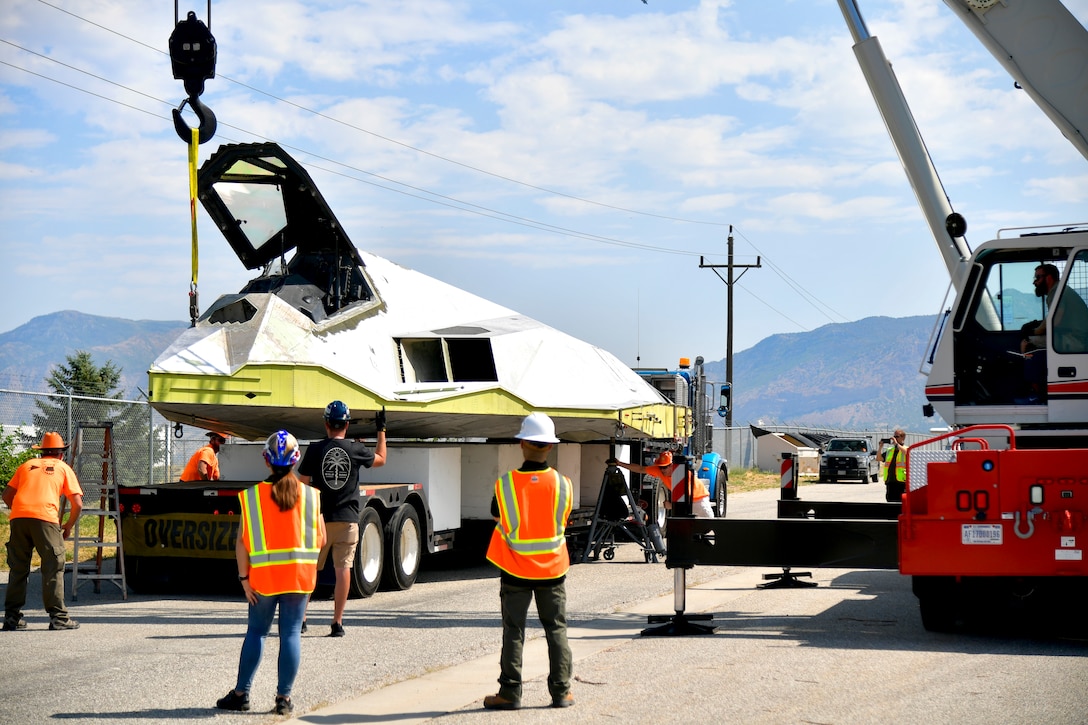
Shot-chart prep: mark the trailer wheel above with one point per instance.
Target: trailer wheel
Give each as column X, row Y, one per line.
column 403, row 548
column 366, row 572
column 721, row 492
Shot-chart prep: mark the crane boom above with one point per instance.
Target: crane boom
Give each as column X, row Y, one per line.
column 908, row 144
column 1044, row 48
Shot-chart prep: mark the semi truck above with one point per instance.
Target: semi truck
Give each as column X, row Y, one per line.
column 687, row 385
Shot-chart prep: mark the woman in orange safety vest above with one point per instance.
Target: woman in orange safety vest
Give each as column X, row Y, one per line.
column 281, row 533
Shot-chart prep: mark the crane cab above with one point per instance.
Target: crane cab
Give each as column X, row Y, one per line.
column 982, row 371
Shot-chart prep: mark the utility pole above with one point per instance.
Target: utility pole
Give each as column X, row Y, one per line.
column 729, row 279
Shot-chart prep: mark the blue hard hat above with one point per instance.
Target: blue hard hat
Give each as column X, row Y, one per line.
column 337, row 412
column 281, row 449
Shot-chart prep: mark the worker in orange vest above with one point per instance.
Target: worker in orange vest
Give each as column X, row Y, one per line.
column 204, row 464
column 281, row 533
column 531, row 507
column 677, row 477
column 33, row 495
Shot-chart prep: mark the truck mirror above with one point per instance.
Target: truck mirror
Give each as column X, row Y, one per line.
column 723, row 399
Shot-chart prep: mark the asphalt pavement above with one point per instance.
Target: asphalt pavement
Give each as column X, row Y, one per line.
column 850, row 650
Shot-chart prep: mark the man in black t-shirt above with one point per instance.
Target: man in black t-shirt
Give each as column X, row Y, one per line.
column 332, row 467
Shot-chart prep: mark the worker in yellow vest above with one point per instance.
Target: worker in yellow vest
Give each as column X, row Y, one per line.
column 895, row 466
column 531, row 507
column 281, row 533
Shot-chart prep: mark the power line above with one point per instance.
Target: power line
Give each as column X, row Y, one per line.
column 402, row 144
column 795, row 285
column 424, row 194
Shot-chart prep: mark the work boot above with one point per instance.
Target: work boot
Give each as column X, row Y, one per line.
column 498, row 702
column 565, row 701
column 63, row 624
column 12, row 625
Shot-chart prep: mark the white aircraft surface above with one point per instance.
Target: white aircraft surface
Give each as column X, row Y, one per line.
column 334, row 323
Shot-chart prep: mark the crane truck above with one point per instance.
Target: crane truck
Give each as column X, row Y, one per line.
column 1002, row 512
column 995, row 513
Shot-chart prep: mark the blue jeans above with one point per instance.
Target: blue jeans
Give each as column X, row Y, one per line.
column 292, row 608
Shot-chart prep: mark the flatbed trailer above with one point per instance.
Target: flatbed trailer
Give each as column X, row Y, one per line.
column 183, row 534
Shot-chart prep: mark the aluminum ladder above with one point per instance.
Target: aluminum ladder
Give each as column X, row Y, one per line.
column 96, row 469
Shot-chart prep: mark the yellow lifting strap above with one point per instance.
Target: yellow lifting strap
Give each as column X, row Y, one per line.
column 194, row 145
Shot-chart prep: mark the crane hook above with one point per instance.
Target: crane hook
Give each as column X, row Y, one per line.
column 204, row 115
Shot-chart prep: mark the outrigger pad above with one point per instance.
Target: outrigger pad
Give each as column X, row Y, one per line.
column 787, row 580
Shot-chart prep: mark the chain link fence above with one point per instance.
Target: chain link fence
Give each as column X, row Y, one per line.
column 146, row 449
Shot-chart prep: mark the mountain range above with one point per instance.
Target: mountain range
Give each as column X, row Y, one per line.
column 859, row 375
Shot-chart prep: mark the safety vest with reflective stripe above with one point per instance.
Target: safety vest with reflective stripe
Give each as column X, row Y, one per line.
column 676, row 475
column 283, row 545
column 528, row 541
column 892, row 456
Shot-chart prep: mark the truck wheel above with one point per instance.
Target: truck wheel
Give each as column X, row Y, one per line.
column 403, row 548
column 721, row 492
column 938, row 615
column 662, row 495
column 938, row 602
column 366, row 572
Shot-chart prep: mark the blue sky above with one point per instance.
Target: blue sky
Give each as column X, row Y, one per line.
column 570, row 160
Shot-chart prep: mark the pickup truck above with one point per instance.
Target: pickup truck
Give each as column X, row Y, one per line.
column 849, row 459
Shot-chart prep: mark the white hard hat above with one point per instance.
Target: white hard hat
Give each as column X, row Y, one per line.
column 538, row 428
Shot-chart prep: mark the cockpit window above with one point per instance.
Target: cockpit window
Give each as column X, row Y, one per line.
column 1008, row 300
column 275, row 219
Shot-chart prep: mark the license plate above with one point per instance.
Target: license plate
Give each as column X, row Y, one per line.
column 982, row 534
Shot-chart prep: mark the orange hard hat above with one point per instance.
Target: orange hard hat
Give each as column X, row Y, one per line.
column 663, row 459
column 219, row 434
column 50, row 441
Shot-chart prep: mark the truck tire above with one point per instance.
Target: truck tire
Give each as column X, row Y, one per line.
column 938, row 602
column 403, row 548
column 662, row 495
column 721, row 492
column 366, row 571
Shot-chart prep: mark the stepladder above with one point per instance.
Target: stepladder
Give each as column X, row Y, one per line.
column 618, row 514
column 95, row 463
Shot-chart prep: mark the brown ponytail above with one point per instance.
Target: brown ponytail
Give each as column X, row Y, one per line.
column 285, row 487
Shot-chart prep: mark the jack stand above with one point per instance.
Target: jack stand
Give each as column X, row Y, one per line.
column 787, row 580
column 680, row 624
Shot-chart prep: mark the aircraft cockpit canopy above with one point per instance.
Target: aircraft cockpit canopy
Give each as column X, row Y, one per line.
column 267, row 207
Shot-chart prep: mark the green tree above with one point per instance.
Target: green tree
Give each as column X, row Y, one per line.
column 85, row 392
column 11, row 458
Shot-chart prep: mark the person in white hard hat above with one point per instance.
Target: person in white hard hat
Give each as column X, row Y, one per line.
column 531, row 507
